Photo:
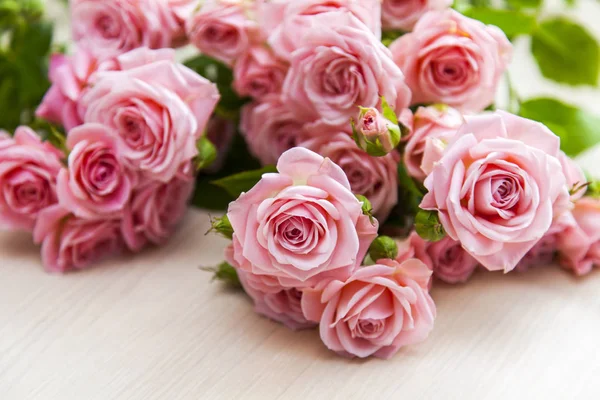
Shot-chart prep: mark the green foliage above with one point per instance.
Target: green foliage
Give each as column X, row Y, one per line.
column 225, row 273
column 525, row 3
column 222, row 226
column 512, row 22
column 578, row 129
column 243, row 181
column 428, row 226
column 566, row 52
column 222, row 76
column 25, row 41
column 207, row 153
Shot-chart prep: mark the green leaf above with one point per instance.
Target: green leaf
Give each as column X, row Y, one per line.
column 512, row 22
column 207, row 153
column 389, row 36
column 225, row 273
column 243, row 181
column 566, row 52
column 525, row 3
column 578, row 129
column 428, row 226
column 388, row 112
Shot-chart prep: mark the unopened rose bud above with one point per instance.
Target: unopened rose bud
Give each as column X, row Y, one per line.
column 383, row 247
column 374, row 133
column 222, row 226
column 207, row 153
column 428, row 226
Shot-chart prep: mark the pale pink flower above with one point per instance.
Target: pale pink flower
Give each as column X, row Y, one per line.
column 155, row 210
column 96, row 184
column 404, row 14
column 223, row 29
column 433, row 128
column 110, row 28
column 72, row 77
column 339, row 65
column 282, row 305
column 158, row 110
column 302, row 224
column 28, row 170
column 451, row 263
column 498, row 187
column 576, row 180
column 452, row 59
column 283, row 20
column 258, row 73
column 579, row 244
column 72, row 243
column 377, row 311
column 376, row 178
column 270, row 128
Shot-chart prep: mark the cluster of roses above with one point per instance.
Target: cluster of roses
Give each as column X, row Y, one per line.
column 500, row 194
column 122, row 176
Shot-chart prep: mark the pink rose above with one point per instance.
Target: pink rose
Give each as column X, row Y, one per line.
column 302, row 224
column 451, row 263
column 72, row 76
column 452, row 59
column 222, row 29
column 96, row 185
column 404, row 14
column 378, row 310
column 338, row 66
column 579, row 245
column 155, row 210
column 158, row 110
column 576, row 180
column 374, row 133
column 434, row 124
column 257, row 73
column 498, row 187
column 110, row 28
column 284, row 20
column 28, row 170
column 282, row 305
column 71, row 243
column 270, row 128
column 376, row 178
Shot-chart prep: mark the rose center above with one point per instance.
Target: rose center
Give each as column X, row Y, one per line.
column 107, row 27
column 369, row 328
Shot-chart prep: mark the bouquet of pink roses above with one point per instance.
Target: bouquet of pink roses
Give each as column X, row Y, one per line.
column 354, row 144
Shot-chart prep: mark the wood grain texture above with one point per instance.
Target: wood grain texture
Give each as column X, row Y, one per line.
column 155, row 327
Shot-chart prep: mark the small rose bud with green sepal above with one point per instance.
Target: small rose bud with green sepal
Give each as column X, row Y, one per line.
column 225, row 273
column 428, row 226
column 377, row 133
column 367, row 208
column 222, row 226
column 383, row 247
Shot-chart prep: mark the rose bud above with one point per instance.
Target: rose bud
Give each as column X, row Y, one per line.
column 374, row 133
column 383, row 247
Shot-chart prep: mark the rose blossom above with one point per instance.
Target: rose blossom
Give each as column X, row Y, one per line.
column 96, row 184
column 338, row 66
column 452, row 59
column 257, row 73
column 498, row 187
column 579, row 245
column 28, row 169
column 110, row 28
column 270, row 128
column 70, row 242
column 451, row 263
column 376, row 311
column 374, row 133
column 282, row 305
column 376, row 178
column 283, row 20
column 72, row 76
column 302, row 224
column 155, row 210
column 222, row 29
column 404, row 14
column 158, row 110
column 433, row 123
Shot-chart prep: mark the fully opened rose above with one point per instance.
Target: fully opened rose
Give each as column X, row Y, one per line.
column 301, row 224
column 377, row 311
column 498, row 187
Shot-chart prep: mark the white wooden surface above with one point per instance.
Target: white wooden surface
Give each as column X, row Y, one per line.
column 154, row 327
